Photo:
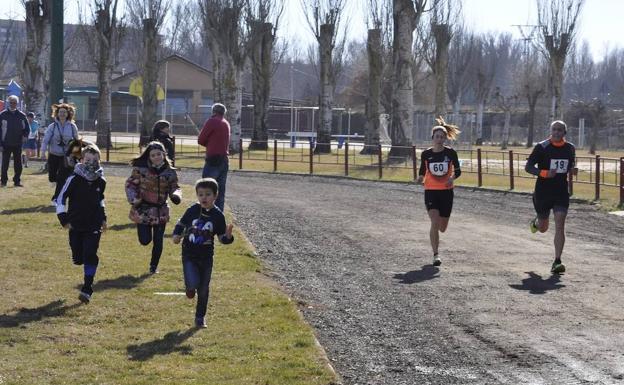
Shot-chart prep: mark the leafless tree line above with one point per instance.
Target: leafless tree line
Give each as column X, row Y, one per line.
column 445, row 67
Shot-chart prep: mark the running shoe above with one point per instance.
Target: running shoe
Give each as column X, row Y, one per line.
column 84, row 297
column 557, row 268
column 190, row 293
column 533, row 225
column 200, row 323
column 436, row 261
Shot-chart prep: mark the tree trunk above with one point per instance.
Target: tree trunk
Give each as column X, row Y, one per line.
column 456, row 109
column 532, row 101
column 150, row 79
column 480, row 108
column 558, row 66
column 505, row 135
column 375, row 69
column 104, row 32
column 232, row 98
column 404, row 17
column 37, row 57
column 326, row 102
column 442, row 35
column 262, row 69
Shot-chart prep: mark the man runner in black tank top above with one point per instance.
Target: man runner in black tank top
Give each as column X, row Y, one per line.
column 551, row 161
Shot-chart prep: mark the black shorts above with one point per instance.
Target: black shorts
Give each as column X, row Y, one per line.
column 543, row 203
column 441, row 200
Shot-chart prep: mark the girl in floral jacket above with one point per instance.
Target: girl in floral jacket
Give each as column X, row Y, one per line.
column 152, row 181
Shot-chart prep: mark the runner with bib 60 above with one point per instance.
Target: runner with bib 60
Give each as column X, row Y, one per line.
column 439, row 167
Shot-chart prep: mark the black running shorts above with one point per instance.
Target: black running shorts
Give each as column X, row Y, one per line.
column 441, row 200
column 543, row 203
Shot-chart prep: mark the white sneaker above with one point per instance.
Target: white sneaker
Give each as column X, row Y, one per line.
column 436, row 261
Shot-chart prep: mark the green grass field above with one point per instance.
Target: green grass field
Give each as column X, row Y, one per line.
column 128, row 334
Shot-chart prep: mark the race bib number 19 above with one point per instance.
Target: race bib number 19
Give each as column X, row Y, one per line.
column 438, row 168
column 561, row 165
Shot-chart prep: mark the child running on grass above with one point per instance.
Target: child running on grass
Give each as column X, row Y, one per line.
column 85, row 217
column 152, row 181
column 198, row 226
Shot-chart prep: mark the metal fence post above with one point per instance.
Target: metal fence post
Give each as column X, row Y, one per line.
column 479, row 170
column 274, row 155
column 240, row 154
column 597, row 177
column 511, row 170
column 311, row 160
column 414, row 163
column 622, row 182
column 346, row 159
column 173, row 139
column 108, row 144
column 380, row 160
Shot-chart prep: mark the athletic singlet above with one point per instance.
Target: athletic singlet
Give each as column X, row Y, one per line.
column 548, row 155
column 437, row 167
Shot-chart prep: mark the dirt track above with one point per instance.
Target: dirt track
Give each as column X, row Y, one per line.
column 356, row 256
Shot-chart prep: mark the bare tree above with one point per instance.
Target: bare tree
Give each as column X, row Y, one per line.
column 557, row 18
column 379, row 21
column 37, row 55
column 443, row 17
column 507, row 103
column 406, row 15
column 324, row 17
column 262, row 22
column 7, row 45
column 151, row 14
column 532, row 86
column 461, row 58
column 103, row 43
column 224, row 35
column 581, row 73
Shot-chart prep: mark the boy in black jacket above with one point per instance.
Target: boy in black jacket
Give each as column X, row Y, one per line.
column 85, row 217
column 198, row 226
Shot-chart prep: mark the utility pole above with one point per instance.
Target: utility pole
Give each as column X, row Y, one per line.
column 56, row 52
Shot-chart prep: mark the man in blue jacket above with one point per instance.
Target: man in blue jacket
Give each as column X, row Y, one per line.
column 14, row 128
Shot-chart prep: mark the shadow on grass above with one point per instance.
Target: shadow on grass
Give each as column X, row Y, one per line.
column 123, row 282
column 425, row 273
column 170, row 343
column 30, row 210
column 122, row 227
column 26, row 315
column 535, row 284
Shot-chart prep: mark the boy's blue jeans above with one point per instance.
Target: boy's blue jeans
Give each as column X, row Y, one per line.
column 219, row 173
column 197, row 274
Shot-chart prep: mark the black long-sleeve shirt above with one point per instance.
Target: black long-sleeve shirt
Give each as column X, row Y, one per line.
column 546, row 156
column 199, row 226
column 437, row 167
column 85, row 211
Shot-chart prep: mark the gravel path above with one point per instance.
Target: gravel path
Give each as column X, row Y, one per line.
column 356, row 257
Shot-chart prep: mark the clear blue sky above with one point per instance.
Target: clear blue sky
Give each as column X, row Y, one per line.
column 600, row 21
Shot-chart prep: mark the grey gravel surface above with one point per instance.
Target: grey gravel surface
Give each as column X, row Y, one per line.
column 356, row 257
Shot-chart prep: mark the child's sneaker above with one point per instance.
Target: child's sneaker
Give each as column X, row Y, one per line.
column 557, row 268
column 533, row 225
column 153, row 270
column 84, row 297
column 190, row 293
column 436, row 260
column 200, row 323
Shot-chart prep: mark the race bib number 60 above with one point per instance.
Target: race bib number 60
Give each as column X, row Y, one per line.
column 561, row 165
column 438, row 168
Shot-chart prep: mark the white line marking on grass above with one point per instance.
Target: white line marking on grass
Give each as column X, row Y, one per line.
column 618, row 213
column 169, row 293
